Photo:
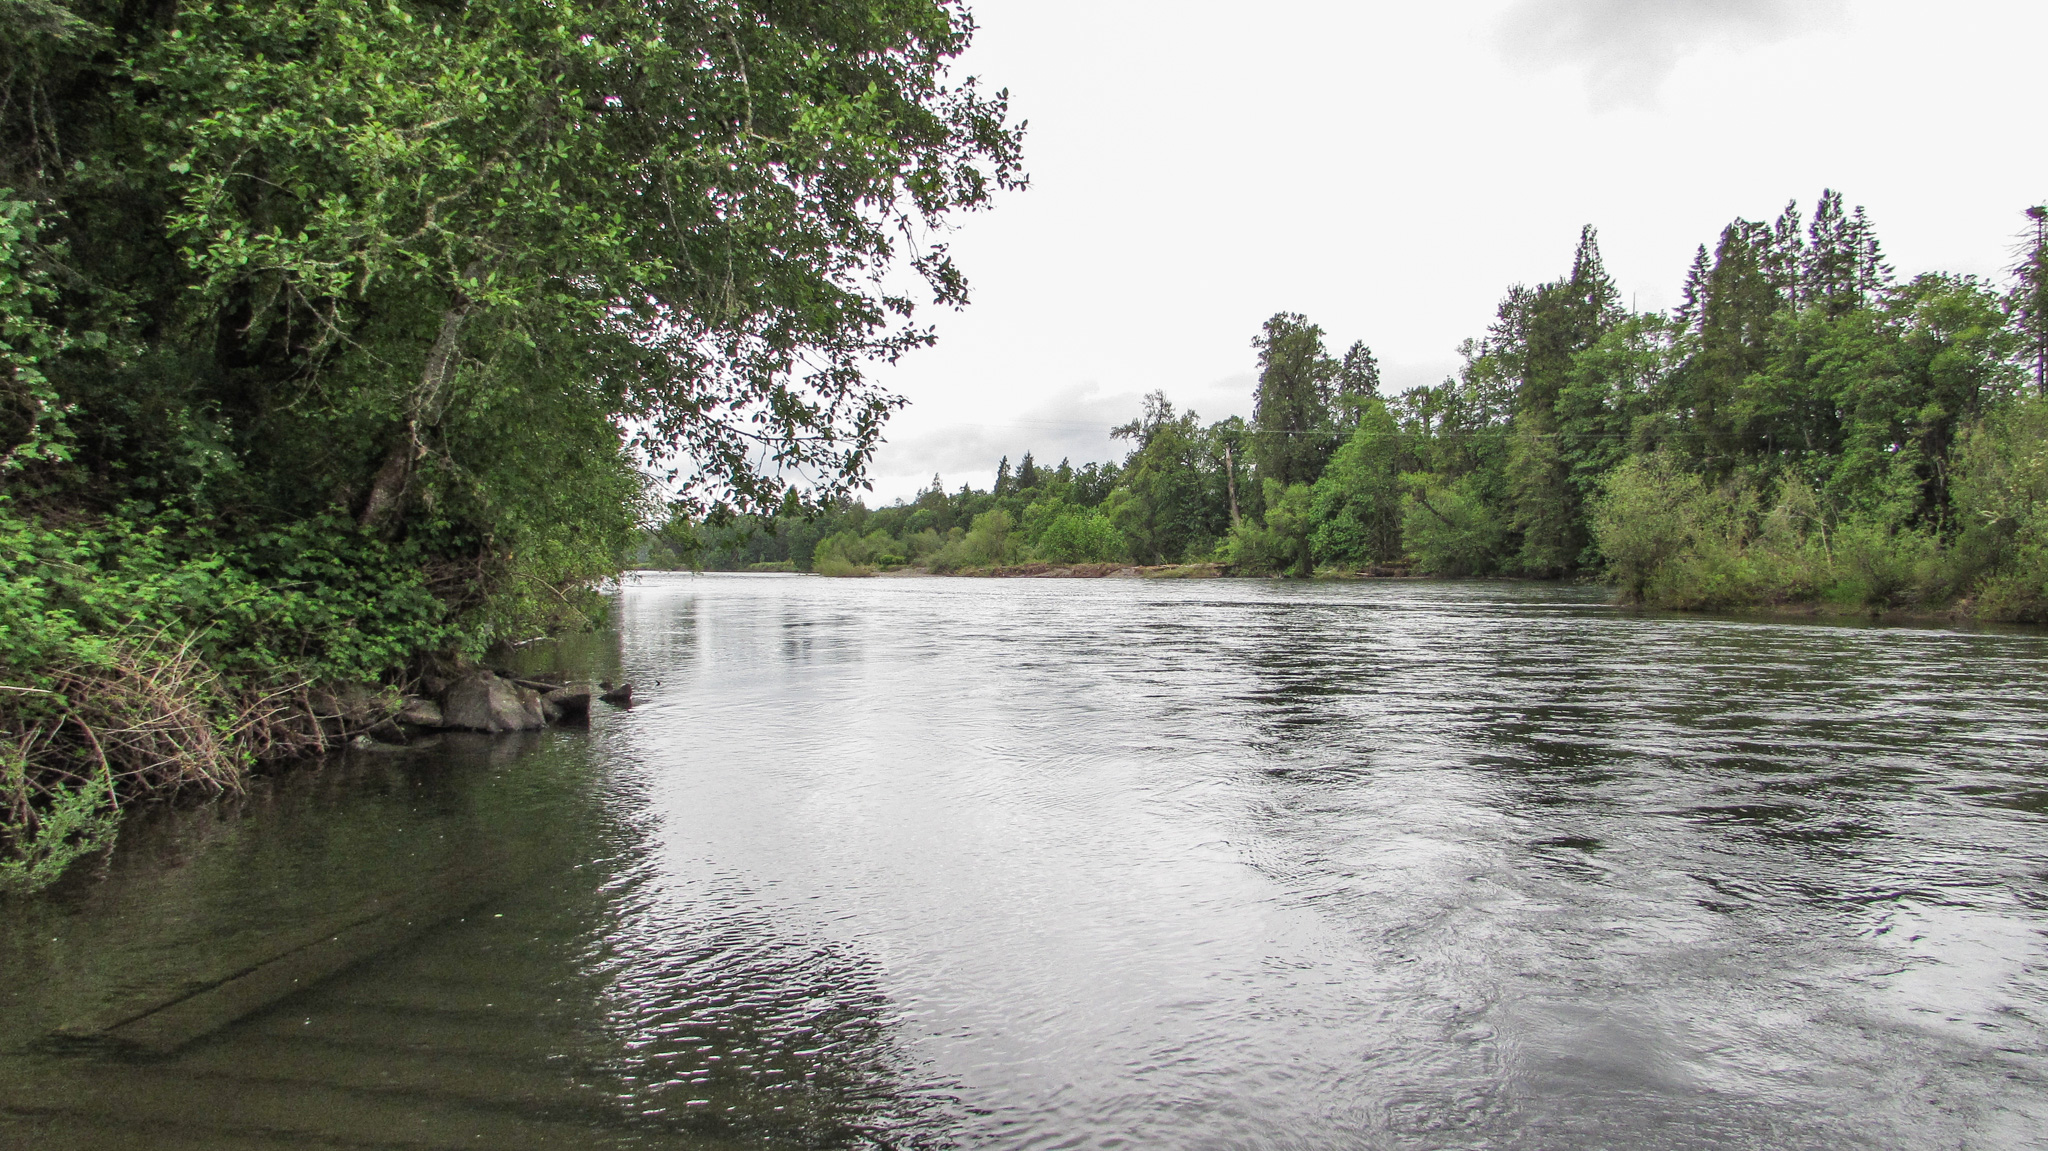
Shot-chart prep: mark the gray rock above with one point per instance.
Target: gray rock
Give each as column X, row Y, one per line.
column 354, row 703
column 421, row 712
column 483, row 702
column 530, row 703
column 570, row 704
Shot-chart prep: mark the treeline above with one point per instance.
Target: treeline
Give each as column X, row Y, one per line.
column 1806, row 427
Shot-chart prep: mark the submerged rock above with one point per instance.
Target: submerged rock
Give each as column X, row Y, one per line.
column 621, row 695
column 481, row 701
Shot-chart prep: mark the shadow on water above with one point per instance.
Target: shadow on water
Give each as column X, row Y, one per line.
column 1102, row 863
column 555, row 999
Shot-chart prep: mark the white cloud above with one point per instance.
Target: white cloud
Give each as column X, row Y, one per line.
column 1628, row 48
column 1070, row 423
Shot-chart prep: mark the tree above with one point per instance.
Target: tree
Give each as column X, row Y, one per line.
column 1356, row 506
column 1291, row 418
column 1844, row 265
column 1164, row 503
column 1560, row 321
column 1692, row 300
column 374, row 250
column 1358, row 382
column 1733, row 342
column 2030, row 298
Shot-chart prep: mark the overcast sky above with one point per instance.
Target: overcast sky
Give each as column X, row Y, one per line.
column 1388, row 169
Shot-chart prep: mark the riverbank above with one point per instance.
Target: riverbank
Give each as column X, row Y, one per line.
column 150, row 724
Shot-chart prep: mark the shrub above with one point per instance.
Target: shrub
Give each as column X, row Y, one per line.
column 1449, row 527
column 1080, row 535
column 990, row 541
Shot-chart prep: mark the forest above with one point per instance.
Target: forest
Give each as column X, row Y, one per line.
column 1806, row 429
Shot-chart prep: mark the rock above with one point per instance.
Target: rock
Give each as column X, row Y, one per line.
column 571, row 704
column 481, row 701
column 354, row 703
column 530, row 703
column 421, row 712
column 621, row 695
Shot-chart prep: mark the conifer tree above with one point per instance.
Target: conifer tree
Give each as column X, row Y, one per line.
column 1785, row 258
column 1734, row 338
column 1693, row 297
column 1027, row 474
column 1358, row 379
column 1563, row 320
column 1002, row 477
column 2030, row 298
column 1844, row 265
column 1291, row 414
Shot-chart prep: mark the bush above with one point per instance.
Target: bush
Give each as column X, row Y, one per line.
column 2001, row 503
column 1449, row 527
column 1671, row 540
column 1280, row 543
column 1080, row 535
column 989, row 542
column 846, row 553
column 141, row 654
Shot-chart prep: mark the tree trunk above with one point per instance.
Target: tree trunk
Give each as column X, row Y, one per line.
column 383, row 508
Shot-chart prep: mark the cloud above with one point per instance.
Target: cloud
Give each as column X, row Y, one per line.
column 1629, row 47
column 1071, row 423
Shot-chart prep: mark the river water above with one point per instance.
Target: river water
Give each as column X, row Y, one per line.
column 1120, row 863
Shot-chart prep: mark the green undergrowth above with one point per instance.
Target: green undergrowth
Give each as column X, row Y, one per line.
column 1674, row 538
column 144, row 652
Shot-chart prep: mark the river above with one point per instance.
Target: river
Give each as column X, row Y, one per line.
column 1115, row 863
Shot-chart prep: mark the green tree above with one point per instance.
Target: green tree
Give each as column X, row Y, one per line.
column 368, row 250
column 2030, row 297
column 1562, row 320
column 1356, row 506
column 1291, row 415
column 1166, row 504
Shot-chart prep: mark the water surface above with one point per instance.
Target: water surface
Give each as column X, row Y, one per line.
column 1113, row 863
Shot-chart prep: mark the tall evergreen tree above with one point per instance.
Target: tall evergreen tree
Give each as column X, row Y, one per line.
column 1734, row 341
column 1358, row 380
column 1563, row 320
column 1692, row 301
column 1027, row 474
column 1002, row 486
column 1845, row 268
column 1291, row 415
column 2030, row 298
column 1785, row 257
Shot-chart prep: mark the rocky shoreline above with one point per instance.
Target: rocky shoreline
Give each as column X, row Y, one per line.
column 480, row 700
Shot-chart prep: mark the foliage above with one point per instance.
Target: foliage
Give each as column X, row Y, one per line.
column 991, row 541
column 1356, row 507
column 844, row 553
column 1451, row 526
column 336, row 335
column 1281, row 542
column 1079, row 535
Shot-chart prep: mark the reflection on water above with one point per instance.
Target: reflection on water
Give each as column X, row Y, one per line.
column 1114, row 863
